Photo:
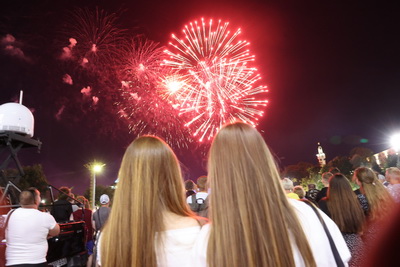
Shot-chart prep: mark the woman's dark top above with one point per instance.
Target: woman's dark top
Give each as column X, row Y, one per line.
column 353, row 240
column 61, row 210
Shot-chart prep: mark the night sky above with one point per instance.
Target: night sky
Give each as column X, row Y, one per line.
column 331, row 67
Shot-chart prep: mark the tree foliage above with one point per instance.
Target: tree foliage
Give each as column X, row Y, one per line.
column 363, row 152
column 299, row 170
column 342, row 163
column 34, row 177
column 306, row 173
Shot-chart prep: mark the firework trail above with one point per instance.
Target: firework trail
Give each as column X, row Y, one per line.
column 213, row 81
column 91, row 58
column 141, row 60
column 95, row 40
column 142, row 105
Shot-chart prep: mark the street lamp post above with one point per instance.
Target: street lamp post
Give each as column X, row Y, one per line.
column 94, row 167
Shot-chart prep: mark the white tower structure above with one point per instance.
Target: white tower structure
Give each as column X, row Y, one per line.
column 15, row 117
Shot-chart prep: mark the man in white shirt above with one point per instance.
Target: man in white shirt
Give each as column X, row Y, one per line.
column 28, row 230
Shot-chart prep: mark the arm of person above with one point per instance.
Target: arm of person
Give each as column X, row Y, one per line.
column 93, row 221
column 52, row 225
column 55, row 231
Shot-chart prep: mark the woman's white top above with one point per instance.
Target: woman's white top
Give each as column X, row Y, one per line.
column 174, row 249
column 313, row 230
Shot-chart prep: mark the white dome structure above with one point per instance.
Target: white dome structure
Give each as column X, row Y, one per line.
column 16, row 118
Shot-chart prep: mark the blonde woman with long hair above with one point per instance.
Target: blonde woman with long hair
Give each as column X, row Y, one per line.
column 253, row 223
column 150, row 223
column 375, row 200
column 378, row 200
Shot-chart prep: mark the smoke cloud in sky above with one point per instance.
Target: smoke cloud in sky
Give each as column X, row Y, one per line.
column 59, row 113
column 84, row 62
column 67, row 50
column 11, row 47
column 67, row 79
column 95, row 100
column 86, row 91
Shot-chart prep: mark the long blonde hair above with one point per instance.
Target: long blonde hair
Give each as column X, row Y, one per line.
column 379, row 200
column 252, row 220
column 150, row 183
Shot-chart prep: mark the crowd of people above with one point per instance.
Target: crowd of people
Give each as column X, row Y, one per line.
column 27, row 229
column 241, row 214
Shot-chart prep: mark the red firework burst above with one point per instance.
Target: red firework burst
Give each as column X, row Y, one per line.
column 214, row 82
column 96, row 39
column 144, row 108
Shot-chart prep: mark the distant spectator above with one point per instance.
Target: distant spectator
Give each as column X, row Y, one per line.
column 85, row 214
column 382, row 179
column 73, row 203
column 378, row 200
column 99, row 220
column 393, row 177
column 190, row 188
column 62, row 208
column 325, row 181
column 287, row 185
column 298, row 189
column 101, row 215
column 312, row 192
column 28, row 230
column 350, row 220
column 198, row 202
column 375, row 201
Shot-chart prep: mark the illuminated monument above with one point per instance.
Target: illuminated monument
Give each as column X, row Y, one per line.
column 321, row 156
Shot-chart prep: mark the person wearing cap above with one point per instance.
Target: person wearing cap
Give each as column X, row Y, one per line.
column 101, row 215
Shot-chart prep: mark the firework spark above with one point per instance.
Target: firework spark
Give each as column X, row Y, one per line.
column 95, row 38
column 142, row 105
column 214, row 81
column 141, row 61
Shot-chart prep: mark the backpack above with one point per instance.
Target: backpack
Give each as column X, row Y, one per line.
column 199, row 205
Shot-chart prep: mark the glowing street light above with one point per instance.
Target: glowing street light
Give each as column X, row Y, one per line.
column 97, row 168
column 94, row 167
column 395, row 144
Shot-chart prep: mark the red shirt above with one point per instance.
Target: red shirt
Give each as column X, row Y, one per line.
column 87, row 217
